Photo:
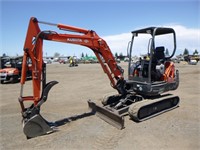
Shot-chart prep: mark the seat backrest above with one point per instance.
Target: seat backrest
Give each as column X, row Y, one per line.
column 159, row 53
column 158, row 57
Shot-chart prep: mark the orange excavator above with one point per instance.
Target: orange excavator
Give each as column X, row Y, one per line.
column 140, row 96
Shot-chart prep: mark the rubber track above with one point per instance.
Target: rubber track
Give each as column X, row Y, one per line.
column 135, row 108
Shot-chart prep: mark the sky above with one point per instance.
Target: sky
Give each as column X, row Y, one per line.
column 112, row 20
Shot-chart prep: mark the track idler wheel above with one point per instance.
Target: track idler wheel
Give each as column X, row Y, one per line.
column 109, row 99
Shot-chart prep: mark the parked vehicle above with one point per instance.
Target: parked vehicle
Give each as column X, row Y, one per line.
column 11, row 68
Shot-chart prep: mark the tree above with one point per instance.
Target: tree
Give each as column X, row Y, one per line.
column 195, row 52
column 56, row 54
column 167, row 52
column 121, row 57
column 116, row 55
column 82, row 55
column 4, row 55
column 186, row 52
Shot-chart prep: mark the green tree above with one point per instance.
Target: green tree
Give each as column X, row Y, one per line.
column 116, row 55
column 186, row 52
column 56, row 54
column 167, row 52
column 4, row 55
column 195, row 52
column 82, row 55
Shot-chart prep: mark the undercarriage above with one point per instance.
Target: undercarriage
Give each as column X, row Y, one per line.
column 136, row 106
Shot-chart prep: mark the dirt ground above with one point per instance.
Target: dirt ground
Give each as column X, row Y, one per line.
column 178, row 129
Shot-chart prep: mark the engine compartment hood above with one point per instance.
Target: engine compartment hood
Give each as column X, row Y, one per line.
column 6, row 70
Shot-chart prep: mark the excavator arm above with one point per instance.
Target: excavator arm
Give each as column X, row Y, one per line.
column 33, row 50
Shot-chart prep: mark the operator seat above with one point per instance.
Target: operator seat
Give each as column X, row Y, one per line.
column 159, row 55
column 157, row 59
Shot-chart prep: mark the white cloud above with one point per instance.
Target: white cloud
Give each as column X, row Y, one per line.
column 186, row 38
column 118, row 43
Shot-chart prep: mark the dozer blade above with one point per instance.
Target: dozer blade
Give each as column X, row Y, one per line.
column 36, row 126
column 147, row 109
column 107, row 115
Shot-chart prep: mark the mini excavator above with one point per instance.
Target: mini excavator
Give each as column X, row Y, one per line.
column 141, row 96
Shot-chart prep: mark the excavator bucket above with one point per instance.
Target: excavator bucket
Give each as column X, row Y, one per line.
column 36, row 126
column 33, row 123
column 107, row 115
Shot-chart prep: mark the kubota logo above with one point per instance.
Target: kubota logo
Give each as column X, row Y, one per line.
column 74, row 40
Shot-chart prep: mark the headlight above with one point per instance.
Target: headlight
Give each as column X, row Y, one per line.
column 10, row 72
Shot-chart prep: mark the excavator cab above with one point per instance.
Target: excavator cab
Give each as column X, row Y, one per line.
column 154, row 73
column 148, row 79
